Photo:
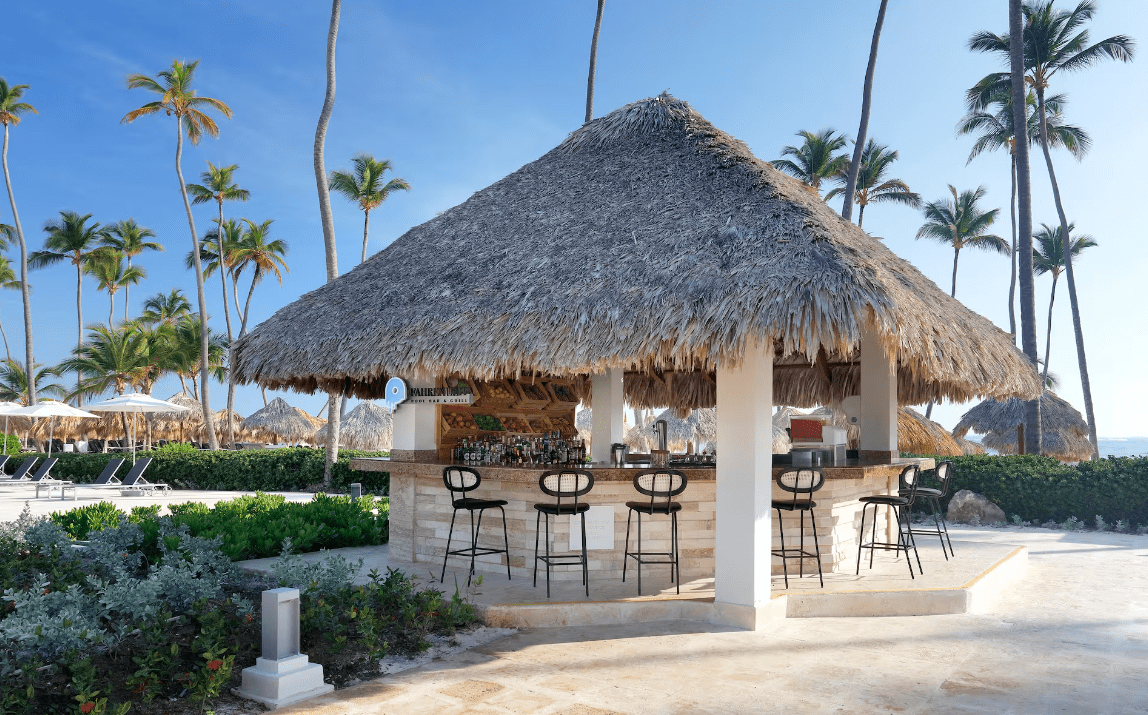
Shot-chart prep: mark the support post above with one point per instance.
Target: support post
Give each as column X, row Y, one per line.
column 607, row 426
column 744, row 487
column 878, row 399
column 282, row 676
column 413, row 430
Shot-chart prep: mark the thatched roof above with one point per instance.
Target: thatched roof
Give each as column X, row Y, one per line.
column 918, row 435
column 651, row 241
column 1064, row 433
column 367, row 427
column 281, row 419
column 969, row 447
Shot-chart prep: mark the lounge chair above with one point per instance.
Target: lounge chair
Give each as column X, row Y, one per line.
column 106, row 479
column 21, row 473
column 43, row 478
column 3, row 460
column 134, row 481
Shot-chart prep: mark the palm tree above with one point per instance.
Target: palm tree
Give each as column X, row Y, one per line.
column 852, row 174
column 14, row 382
column 71, row 239
column 209, row 252
column 593, row 62
column 217, row 187
column 11, row 111
column 130, row 239
column 262, row 256
column 167, row 309
column 329, row 248
column 870, row 183
column 995, row 129
column 109, row 268
column 179, row 99
column 1048, row 257
column 814, row 160
column 185, row 354
column 960, row 222
column 112, row 358
column 364, row 185
column 1054, row 41
column 7, row 280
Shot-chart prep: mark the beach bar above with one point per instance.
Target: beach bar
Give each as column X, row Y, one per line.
column 649, row 259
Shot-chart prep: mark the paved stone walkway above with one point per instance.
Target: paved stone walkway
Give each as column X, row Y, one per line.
column 1073, row 638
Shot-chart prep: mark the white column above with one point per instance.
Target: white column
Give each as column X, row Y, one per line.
column 413, row 426
column 609, row 409
column 878, row 396
column 744, row 484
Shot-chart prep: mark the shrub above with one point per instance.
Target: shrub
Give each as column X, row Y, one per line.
column 250, row 526
column 287, row 469
column 12, row 444
column 1041, row 489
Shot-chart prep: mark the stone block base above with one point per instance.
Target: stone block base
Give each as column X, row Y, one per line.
column 279, row 683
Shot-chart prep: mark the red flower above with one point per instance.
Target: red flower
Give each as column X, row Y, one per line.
column 214, row 664
column 87, row 707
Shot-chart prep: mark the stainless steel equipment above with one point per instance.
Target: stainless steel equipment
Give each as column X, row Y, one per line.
column 618, row 454
column 661, row 432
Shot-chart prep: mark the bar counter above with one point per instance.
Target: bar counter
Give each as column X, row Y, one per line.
column 420, row 516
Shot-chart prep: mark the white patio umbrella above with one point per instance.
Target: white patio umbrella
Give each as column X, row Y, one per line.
column 6, row 410
column 136, row 403
column 51, row 409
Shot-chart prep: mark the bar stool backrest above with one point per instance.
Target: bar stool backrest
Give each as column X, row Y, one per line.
column 910, row 478
column 945, row 473
column 461, row 480
column 660, row 484
column 801, row 481
column 566, row 483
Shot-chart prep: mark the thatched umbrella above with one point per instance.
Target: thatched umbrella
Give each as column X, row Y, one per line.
column 688, row 247
column 367, row 427
column 969, row 447
column 917, row 434
column 280, row 419
column 1064, row 433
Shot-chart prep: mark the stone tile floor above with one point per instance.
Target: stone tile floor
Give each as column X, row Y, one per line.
column 1071, row 638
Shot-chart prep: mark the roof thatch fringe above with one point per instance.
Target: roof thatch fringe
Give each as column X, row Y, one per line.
column 969, row 447
column 649, row 241
column 1064, row 433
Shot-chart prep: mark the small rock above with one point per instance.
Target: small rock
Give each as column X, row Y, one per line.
column 967, row 507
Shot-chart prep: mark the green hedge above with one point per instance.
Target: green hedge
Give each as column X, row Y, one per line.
column 273, row 470
column 1040, row 489
column 252, row 526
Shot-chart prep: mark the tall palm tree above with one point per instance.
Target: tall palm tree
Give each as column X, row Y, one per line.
column 111, row 359
column 593, row 62
column 130, row 239
column 264, row 257
column 961, row 223
column 209, row 255
column 364, row 185
column 1054, row 41
column 852, row 174
column 167, row 309
column 178, row 99
column 217, row 187
column 992, row 121
column 14, row 382
column 814, row 161
column 72, row 239
column 329, row 247
column 185, row 354
column 1048, row 257
column 12, row 108
column 109, row 267
column 870, row 184
column 7, row 280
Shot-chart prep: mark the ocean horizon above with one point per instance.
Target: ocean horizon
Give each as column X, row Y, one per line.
column 1109, row 446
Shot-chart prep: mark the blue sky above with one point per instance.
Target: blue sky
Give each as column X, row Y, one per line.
column 459, row 94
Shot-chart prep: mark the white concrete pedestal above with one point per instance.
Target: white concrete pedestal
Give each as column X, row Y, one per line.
column 283, row 682
column 283, row 676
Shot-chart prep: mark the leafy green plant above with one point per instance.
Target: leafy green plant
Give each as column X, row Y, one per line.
column 12, row 445
column 81, row 521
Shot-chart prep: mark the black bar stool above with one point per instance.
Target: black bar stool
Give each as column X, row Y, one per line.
column 933, row 497
column 463, row 480
column 660, row 485
column 566, row 484
column 801, row 482
column 900, row 508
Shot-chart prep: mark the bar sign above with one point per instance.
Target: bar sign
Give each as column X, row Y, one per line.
column 599, row 528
